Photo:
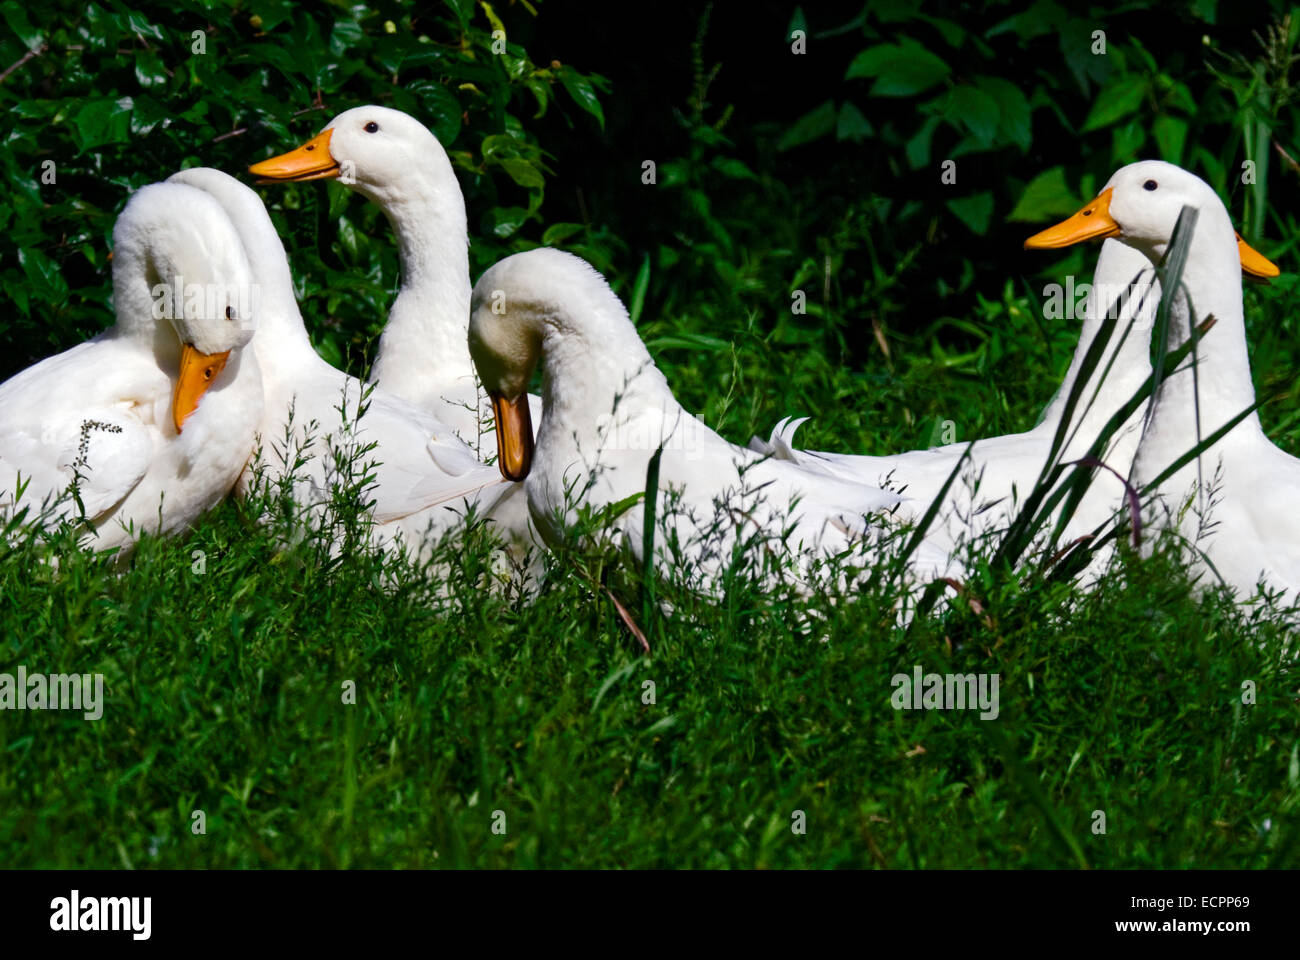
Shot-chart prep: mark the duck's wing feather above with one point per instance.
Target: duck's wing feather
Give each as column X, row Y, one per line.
column 421, row 461
column 86, row 415
column 97, row 457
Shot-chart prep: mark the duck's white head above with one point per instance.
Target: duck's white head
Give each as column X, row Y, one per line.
column 516, row 304
column 278, row 316
column 1140, row 205
column 371, row 149
column 177, row 256
column 246, row 211
column 238, row 200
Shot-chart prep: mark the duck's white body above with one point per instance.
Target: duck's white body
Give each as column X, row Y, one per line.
column 103, row 409
column 1240, row 493
column 424, row 476
column 1002, row 470
column 607, row 408
column 392, row 159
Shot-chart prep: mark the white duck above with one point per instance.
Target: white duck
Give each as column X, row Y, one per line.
column 1002, row 470
column 606, row 408
column 1243, row 522
column 120, row 415
column 390, row 158
column 423, row 474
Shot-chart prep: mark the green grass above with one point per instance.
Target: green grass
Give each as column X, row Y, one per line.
column 225, row 690
column 225, row 694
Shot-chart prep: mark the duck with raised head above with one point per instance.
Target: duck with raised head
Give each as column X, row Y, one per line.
column 1242, row 525
column 392, row 159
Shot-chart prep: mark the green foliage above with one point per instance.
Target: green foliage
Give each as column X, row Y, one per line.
column 993, row 86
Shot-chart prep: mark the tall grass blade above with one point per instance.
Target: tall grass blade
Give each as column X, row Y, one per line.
column 649, row 517
column 1041, row 503
column 1170, row 272
column 639, row 289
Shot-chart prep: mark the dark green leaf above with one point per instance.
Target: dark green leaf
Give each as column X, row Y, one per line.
column 557, row 233
column 1047, row 196
column 100, row 122
column 1115, row 101
column 852, row 125
column 1171, row 135
column 582, row 92
column 975, row 110
column 15, row 16
column 504, row 222
column 901, row 70
column 523, row 173
column 975, row 211
column 811, row 126
column 345, row 35
column 1014, row 114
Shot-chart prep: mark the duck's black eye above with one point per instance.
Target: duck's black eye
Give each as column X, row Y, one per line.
column 1150, row 185
column 230, row 313
column 372, row 127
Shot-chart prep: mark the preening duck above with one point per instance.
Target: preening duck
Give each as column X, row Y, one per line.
column 152, row 421
column 607, row 408
column 423, row 473
column 1242, row 523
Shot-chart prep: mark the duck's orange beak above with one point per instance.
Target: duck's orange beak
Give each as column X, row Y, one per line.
column 1255, row 263
column 198, row 370
column 1095, row 221
column 514, row 423
column 1090, row 223
column 311, row 161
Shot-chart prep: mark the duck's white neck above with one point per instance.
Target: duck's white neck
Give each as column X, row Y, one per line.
column 1222, row 388
column 1126, row 360
column 134, row 283
column 281, row 335
column 597, row 370
column 424, row 341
